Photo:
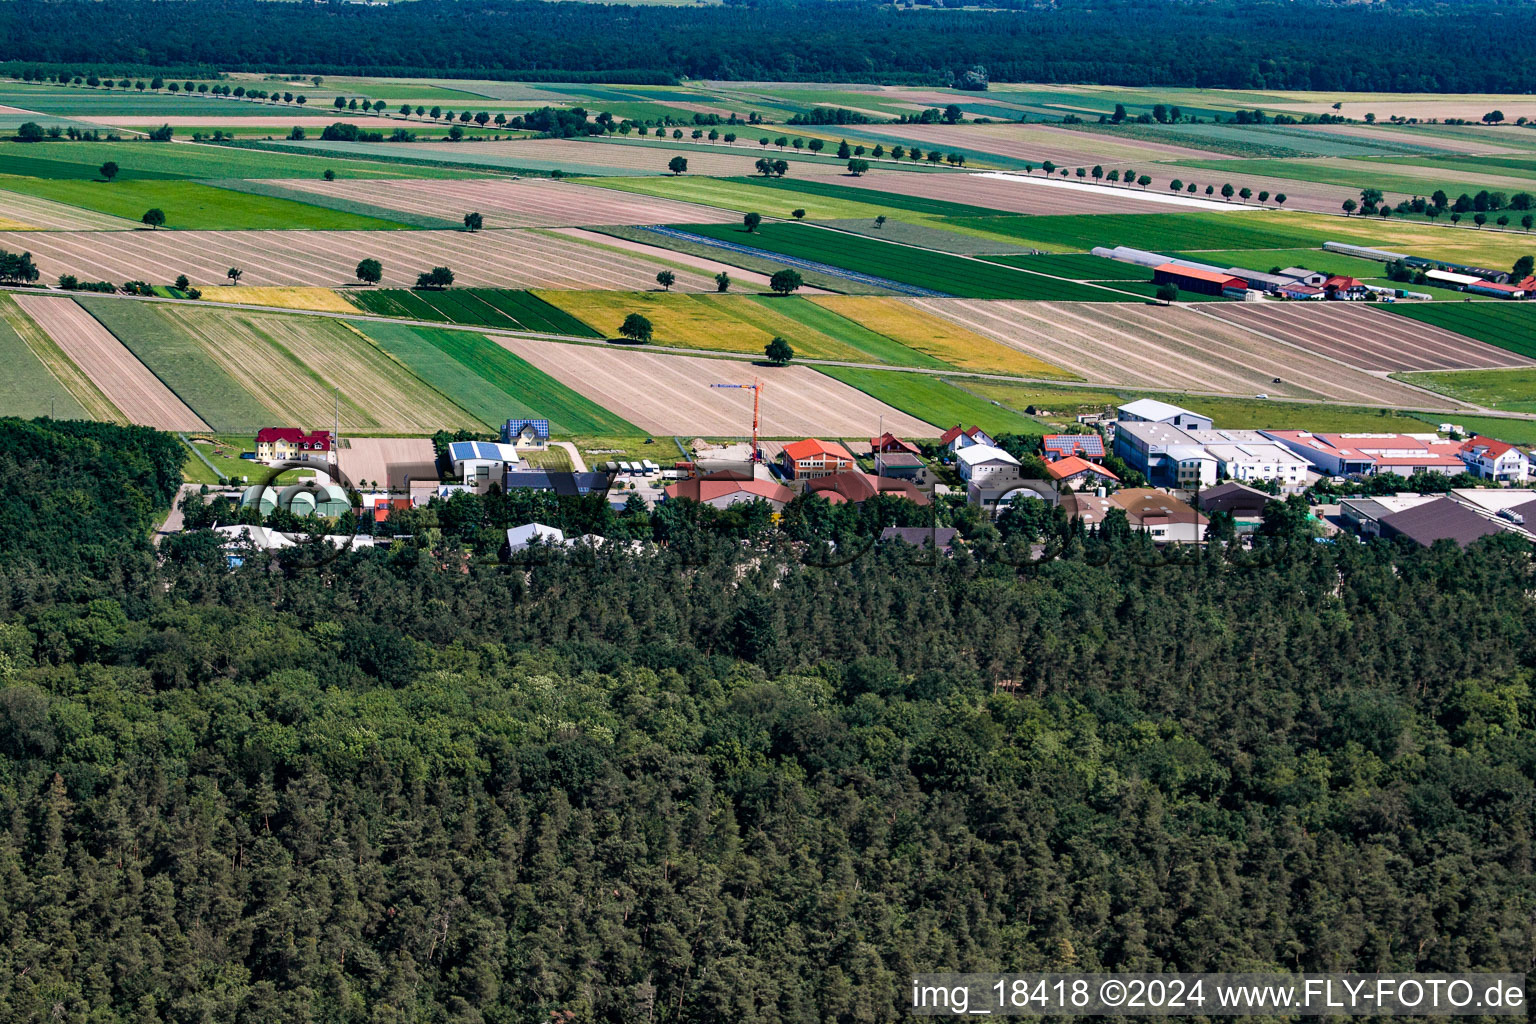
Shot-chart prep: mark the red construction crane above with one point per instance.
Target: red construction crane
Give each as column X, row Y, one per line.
column 756, row 387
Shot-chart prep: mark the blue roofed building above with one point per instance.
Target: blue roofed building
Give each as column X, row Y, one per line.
column 528, row 433
column 474, row 461
column 559, row 481
column 1062, row 446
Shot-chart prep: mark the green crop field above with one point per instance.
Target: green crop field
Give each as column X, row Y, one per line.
column 933, row 399
column 877, row 347
column 182, row 160
column 1353, row 174
column 1473, row 164
column 27, row 387
column 1320, row 260
column 328, row 202
column 511, row 385
column 181, row 361
column 747, row 196
column 1510, row 390
column 1521, row 432
column 1077, row 267
column 473, row 307
column 192, row 205
column 1506, row 325
column 942, row 272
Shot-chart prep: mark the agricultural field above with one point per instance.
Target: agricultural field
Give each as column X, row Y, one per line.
column 1014, row 145
column 474, row 307
column 1010, row 194
column 1078, row 267
column 489, row 381
column 1404, row 178
column 328, row 259
column 506, row 203
column 1320, row 260
column 664, row 244
column 670, row 394
column 127, row 383
column 934, row 399
column 27, row 387
column 319, row 300
column 152, row 160
column 844, row 189
column 390, row 461
column 929, row 235
column 743, row 196
column 20, row 210
column 937, row 338
column 931, row 271
column 194, row 205
column 59, row 365
column 1167, row 347
column 1360, row 335
column 1510, row 327
column 1509, row 390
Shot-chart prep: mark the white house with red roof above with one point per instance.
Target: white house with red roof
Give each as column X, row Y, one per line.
column 958, row 437
column 811, row 459
column 290, row 444
column 1077, row 472
column 1495, row 460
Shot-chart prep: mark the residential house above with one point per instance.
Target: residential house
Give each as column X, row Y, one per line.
column 520, row 537
column 888, row 443
column 290, row 444
column 1076, row 472
column 474, row 460
column 1162, row 516
column 1150, row 410
column 1061, row 446
column 1303, row 276
column 956, row 438
column 1495, row 460
column 1340, row 287
column 727, row 489
column 529, row 434
column 899, row 464
column 856, row 488
column 979, row 461
column 1237, row 500
column 812, row 459
column 1300, row 292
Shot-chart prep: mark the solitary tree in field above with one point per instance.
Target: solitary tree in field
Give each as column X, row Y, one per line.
column 785, row 281
column 234, row 274
column 182, row 282
column 1167, row 292
column 779, row 352
column 329, row 175
column 677, row 165
column 370, row 271
column 797, row 214
column 437, row 277
column 153, row 217
column 880, row 220
column 473, row 222
column 636, row 328
column 666, row 279
column 109, row 170
column 751, row 221
column 857, row 167
column 722, row 282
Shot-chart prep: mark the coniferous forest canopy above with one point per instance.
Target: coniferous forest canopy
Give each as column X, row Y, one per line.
column 718, row 784
column 1473, row 46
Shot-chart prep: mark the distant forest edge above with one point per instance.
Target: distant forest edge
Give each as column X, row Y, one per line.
column 1396, row 47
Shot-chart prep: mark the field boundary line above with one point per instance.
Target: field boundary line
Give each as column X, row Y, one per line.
column 64, row 369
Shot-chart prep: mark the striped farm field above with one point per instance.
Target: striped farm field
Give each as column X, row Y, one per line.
column 183, row 362
column 933, row 271
column 671, row 394
column 328, row 259
column 473, row 307
column 933, row 399
column 1167, row 347
column 1365, row 337
column 320, row 300
column 1507, row 326
column 86, row 395
column 1078, row 267
column 141, row 396
column 27, row 387
column 999, row 194
column 492, row 382
column 194, row 205
column 507, row 203
column 27, row 212
column 936, row 337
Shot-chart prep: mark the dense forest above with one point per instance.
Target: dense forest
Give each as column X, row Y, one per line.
column 1397, row 46
column 727, row 785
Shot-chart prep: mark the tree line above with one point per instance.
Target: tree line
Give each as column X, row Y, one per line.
column 1242, row 44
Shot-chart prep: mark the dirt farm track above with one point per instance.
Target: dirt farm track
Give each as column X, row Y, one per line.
column 328, row 259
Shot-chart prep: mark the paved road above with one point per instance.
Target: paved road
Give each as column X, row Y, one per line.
column 174, row 521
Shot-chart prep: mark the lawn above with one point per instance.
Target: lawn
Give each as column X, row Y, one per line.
column 932, row 399
column 935, row 271
column 512, row 387
column 183, row 363
column 1078, row 267
column 1510, row 390
column 27, row 387
column 1506, row 325
column 183, row 160
column 193, row 205
column 939, row 339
